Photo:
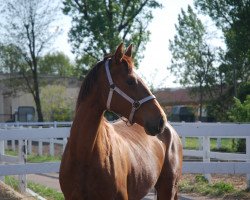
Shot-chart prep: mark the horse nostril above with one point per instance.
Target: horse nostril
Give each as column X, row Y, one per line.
column 161, row 124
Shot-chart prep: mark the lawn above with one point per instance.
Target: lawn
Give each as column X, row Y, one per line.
column 226, row 144
column 33, row 158
column 221, row 186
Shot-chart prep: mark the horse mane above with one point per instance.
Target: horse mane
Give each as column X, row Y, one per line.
column 88, row 83
column 92, row 76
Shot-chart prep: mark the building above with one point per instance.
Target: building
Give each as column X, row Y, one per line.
column 10, row 101
column 169, row 97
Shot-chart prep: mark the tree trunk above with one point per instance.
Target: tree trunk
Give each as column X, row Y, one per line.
column 201, row 102
column 37, row 95
column 234, row 79
column 39, row 109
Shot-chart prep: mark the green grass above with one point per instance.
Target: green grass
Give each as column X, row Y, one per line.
column 226, row 144
column 45, row 192
column 33, row 158
column 39, row 159
column 201, row 186
column 12, row 182
column 42, row 190
column 10, row 152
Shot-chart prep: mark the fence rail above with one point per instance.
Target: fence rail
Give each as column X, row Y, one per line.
column 46, row 132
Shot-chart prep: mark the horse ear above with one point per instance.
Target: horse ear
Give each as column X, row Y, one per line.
column 129, row 50
column 119, row 53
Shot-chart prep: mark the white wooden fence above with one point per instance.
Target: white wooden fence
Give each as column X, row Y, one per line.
column 237, row 163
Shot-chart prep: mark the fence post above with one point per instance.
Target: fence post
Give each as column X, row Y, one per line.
column 218, row 141
column 200, row 139
column 51, row 147
column 248, row 159
column 6, row 142
column 51, row 143
column 206, row 154
column 1, row 153
column 29, row 144
column 22, row 153
column 13, row 145
column 40, row 146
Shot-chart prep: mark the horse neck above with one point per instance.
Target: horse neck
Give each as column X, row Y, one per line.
column 87, row 125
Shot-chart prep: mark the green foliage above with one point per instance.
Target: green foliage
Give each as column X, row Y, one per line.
column 201, row 186
column 42, row 190
column 45, row 192
column 57, row 105
column 201, row 179
column 233, row 18
column 56, row 63
column 99, row 26
column 193, row 59
column 9, row 180
column 244, row 90
column 45, row 158
column 27, row 25
column 10, row 59
column 223, row 188
column 11, row 153
column 240, row 112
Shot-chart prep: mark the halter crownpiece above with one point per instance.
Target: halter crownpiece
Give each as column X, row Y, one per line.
column 135, row 104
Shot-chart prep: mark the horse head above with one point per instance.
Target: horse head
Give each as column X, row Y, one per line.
column 126, row 94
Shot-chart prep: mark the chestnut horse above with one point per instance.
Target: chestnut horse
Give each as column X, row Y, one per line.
column 121, row 160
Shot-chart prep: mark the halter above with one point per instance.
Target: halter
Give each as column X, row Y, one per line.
column 135, row 104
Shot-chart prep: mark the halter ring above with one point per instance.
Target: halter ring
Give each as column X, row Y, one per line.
column 136, row 105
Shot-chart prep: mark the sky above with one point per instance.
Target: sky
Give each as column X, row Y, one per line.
column 157, row 57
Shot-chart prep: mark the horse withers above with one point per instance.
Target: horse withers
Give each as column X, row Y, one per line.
column 125, row 159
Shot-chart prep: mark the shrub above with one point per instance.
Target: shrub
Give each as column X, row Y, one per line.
column 56, row 104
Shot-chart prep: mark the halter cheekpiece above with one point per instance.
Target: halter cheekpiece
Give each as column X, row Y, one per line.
column 135, row 104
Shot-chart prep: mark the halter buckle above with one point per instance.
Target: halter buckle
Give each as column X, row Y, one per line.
column 136, row 105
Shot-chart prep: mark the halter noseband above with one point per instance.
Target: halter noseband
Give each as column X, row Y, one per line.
column 135, row 104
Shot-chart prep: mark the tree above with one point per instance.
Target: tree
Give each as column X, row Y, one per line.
column 98, row 26
column 192, row 58
column 56, row 63
column 232, row 16
column 58, row 106
column 240, row 112
column 29, row 26
column 11, row 62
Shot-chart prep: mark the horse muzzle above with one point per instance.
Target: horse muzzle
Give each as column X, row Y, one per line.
column 154, row 127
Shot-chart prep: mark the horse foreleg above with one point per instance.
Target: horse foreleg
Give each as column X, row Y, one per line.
column 166, row 192
column 166, row 186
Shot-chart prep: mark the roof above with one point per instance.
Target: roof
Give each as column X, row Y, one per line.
column 176, row 96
